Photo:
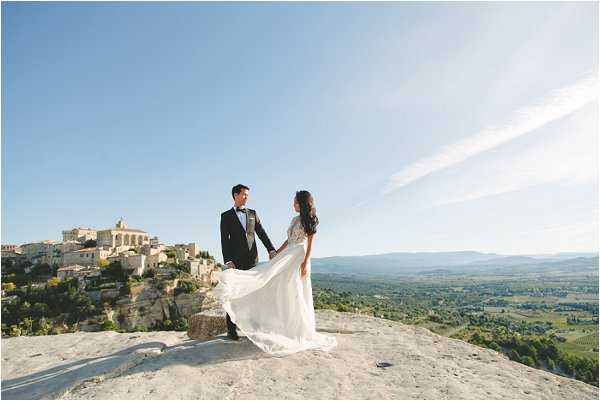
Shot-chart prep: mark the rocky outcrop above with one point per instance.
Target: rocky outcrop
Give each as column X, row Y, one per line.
column 207, row 324
column 147, row 306
column 374, row 359
column 146, row 311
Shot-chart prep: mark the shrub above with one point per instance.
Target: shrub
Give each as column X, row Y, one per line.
column 14, row 331
column 74, row 328
column 53, row 282
column 44, row 327
column 183, row 267
column 527, row 360
column 57, row 329
column 115, row 271
column 26, row 326
column 139, row 327
column 102, row 263
column 180, row 324
column 133, row 281
column 514, row 355
column 162, row 325
column 109, row 325
column 186, row 286
column 494, row 345
column 39, row 309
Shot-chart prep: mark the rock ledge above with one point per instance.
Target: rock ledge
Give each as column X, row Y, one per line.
column 375, row 359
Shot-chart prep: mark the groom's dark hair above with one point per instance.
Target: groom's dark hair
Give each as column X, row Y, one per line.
column 237, row 189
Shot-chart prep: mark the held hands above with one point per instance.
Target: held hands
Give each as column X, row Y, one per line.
column 303, row 269
column 230, row 265
column 272, row 254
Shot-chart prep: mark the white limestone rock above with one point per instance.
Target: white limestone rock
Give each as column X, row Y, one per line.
column 168, row 365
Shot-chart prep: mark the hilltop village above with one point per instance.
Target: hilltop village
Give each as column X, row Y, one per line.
column 115, row 278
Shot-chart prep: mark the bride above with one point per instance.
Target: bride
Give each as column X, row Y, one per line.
column 272, row 303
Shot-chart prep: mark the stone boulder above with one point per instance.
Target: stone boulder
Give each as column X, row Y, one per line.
column 206, row 324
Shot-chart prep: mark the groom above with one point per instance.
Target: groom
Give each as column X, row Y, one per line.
column 238, row 226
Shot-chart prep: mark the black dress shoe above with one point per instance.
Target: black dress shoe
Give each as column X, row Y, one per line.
column 233, row 336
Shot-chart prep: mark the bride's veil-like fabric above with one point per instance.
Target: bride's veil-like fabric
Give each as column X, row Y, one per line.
column 272, row 304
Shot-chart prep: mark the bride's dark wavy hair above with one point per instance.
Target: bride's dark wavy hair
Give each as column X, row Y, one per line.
column 308, row 213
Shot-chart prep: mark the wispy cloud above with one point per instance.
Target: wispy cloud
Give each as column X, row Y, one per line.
column 566, row 156
column 557, row 104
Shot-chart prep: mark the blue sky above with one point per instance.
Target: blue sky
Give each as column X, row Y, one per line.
column 417, row 126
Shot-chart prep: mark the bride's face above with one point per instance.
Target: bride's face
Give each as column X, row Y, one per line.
column 296, row 205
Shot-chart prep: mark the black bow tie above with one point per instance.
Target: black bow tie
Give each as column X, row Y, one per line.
column 239, row 209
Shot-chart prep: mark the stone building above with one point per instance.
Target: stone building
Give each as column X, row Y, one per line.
column 183, row 251
column 202, row 268
column 11, row 251
column 11, row 248
column 77, row 271
column 154, row 257
column 181, row 255
column 68, row 246
column 79, row 234
column 41, row 252
column 86, row 256
column 121, row 236
column 134, row 263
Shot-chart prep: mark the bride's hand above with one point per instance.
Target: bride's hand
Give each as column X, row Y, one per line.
column 303, row 269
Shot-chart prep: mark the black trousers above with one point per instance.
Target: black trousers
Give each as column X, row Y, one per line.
column 231, row 327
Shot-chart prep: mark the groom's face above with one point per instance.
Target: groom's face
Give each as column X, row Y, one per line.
column 241, row 197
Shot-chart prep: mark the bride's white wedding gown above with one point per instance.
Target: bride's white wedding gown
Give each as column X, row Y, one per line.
column 272, row 304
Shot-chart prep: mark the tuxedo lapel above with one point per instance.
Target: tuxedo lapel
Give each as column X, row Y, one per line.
column 247, row 232
column 250, row 221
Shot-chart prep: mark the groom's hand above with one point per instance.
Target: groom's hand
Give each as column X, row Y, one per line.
column 272, row 254
column 230, row 265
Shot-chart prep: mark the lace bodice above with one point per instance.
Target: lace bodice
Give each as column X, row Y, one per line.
column 295, row 232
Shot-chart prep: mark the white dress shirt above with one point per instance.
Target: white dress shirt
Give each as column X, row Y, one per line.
column 241, row 216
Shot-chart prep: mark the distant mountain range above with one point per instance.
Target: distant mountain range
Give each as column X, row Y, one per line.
column 460, row 261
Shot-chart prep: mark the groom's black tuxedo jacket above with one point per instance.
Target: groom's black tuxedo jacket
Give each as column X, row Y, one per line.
column 238, row 245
